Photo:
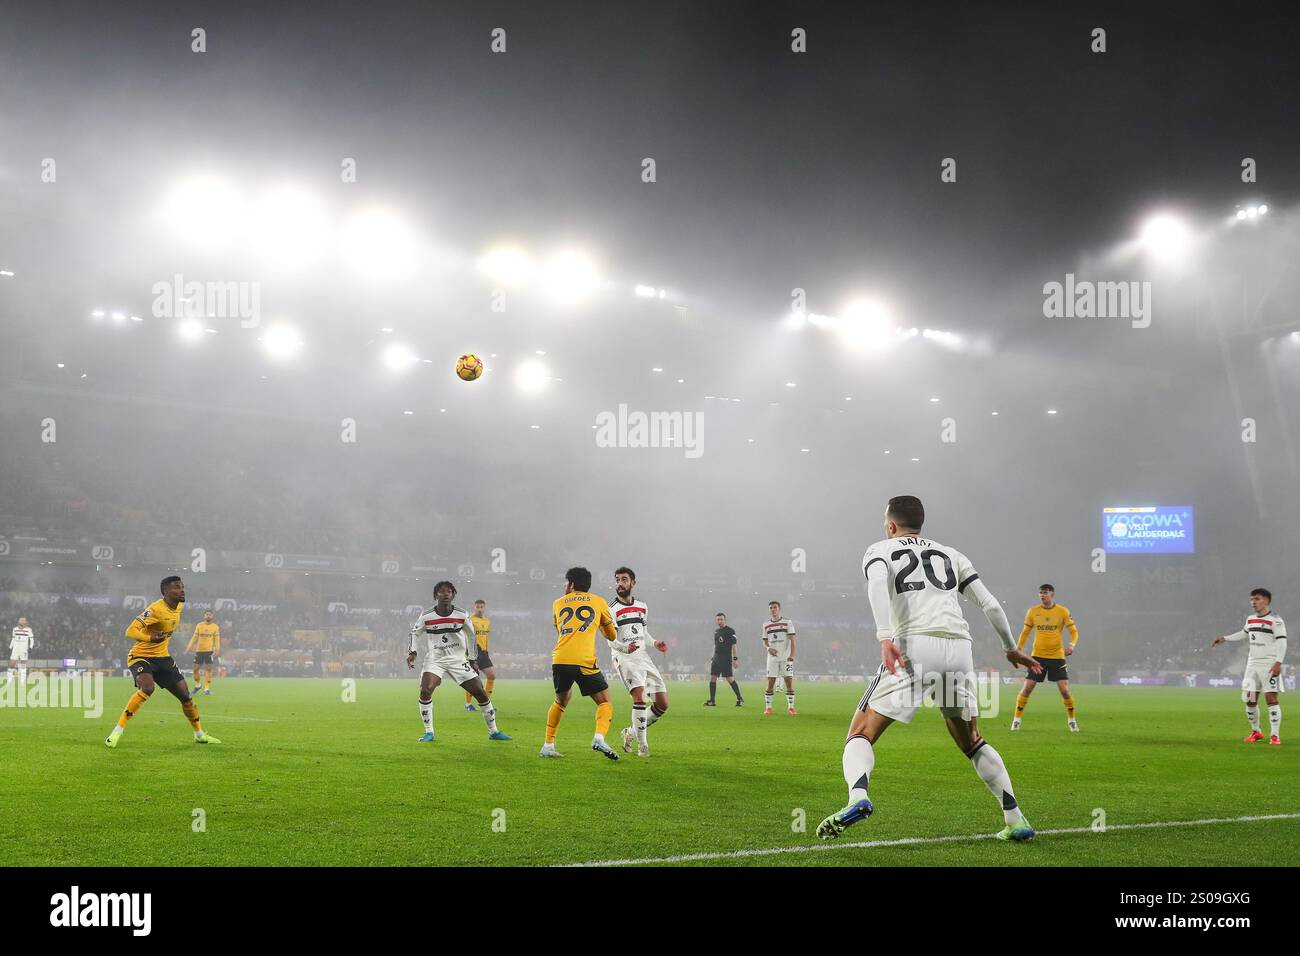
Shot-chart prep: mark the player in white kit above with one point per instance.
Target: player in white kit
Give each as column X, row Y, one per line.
column 779, row 641
column 20, row 645
column 449, row 644
column 1267, row 634
column 925, row 651
column 633, row 664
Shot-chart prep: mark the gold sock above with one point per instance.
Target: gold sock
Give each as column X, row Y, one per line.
column 1069, row 706
column 553, row 722
column 604, row 715
column 491, row 682
column 135, row 703
column 468, row 698
column 1021, row 702
column 192, row 714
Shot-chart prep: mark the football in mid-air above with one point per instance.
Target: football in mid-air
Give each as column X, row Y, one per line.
column 469, row 367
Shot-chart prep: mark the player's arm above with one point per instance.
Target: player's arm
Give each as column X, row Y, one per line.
column 1234, row 636
column 877, row 572
column 1279, row 646
column 193, row 637
column 470, row 639
column 607, row 624
column 791, row 646
column 141, row 630
column 410, row 650
column 735, row 650
column 972, row 587
column 216, row 642
column 1074, row 633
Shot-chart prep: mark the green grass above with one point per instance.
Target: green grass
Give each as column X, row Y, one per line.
column 304, row 778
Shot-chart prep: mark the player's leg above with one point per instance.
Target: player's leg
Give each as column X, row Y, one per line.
column 489, row 684
column 1274, row 716
column 429, row 682
column 207, row 678
column 469, row 698
column 735, row 690
column 1251, row 697
column 173, row 681
column 144, row 688
column 1067, row 699
column 598, row 691
column 1022, row 701
column 713, row 684
column 562, row 679
column 771, row 683
column 475, row 690
column 990, row 768
column 198, row 672
column 857, row 762
column 789, row 689
column 635, row 734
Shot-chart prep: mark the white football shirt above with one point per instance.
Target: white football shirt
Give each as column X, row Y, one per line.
column 1267, row 634
column 923, row 579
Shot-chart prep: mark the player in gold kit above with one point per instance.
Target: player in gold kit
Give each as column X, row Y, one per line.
column 482, row 663
column 206, row 645
column 1048, row 621
column 578, row 616
column 151, row 663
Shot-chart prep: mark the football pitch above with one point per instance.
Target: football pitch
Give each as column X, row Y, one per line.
column 305, row 778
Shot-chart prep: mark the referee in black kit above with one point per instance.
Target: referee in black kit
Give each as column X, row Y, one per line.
column 724, row 660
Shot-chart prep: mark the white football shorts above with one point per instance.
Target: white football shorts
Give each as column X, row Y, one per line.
column 941, row 669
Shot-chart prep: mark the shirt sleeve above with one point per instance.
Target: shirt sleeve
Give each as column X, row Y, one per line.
column 469, row 638
column 1073, row 628
column 877, row 572
column 607, row 624
column 140, row 628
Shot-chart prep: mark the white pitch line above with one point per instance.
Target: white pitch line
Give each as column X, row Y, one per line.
column 918, row 841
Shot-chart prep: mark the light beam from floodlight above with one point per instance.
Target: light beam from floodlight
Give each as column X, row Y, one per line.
column 398, row 358
column 289, row 226
column 281, row 342
column 506, row 265
column 190, row 330
column 531, row 376
column 570, row 277
column 1165, row 236
column 865, row 326
column 379, row 244
column 204, row 210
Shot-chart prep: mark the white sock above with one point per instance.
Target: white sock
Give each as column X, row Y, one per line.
column 116, row 731
column 859, row 759
column 597, row 738
column 426, row 715
column 640, row 724
column 22, row 675
column 1275, row 719
column 789, row 699
column 767, row 701
column 988, row 764
column 1252, row 714
column 490, row 716
column 653, row 715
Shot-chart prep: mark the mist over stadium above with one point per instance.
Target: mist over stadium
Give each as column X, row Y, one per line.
column 361, row 200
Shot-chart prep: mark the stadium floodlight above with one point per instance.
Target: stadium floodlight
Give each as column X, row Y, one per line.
column 190, row 330
column 1241, row 214
column 6, row 273
column 119, row 316
column 531, row 376
column 866, row 326
column 204, row 209
column 570, row 278
column 97, row 314
column 1263, row 208
column 399, row 358
column 644, row 291
column 281, row 342
column 1252, row 212
column 506, row 265
column 289, row 227
column 379, row 244
column 136, row 318
column 1165, row 237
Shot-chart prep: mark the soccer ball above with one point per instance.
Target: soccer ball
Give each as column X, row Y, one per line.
column 469, row 367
